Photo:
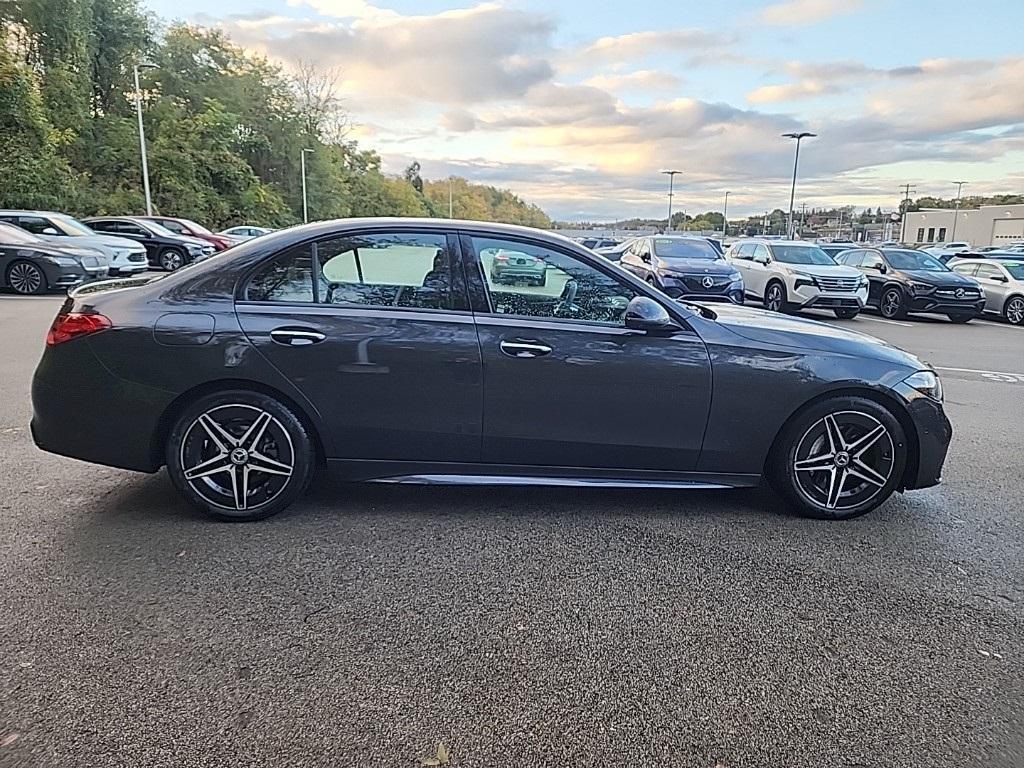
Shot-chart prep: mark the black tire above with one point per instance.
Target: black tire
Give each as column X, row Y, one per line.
column 1013, row 310
column 960, row 319
column 812, row 492
column 226, row 494
column 26, row 278
column 846, row 314
column 775, row 297
column 893, row 303
column 172, row 259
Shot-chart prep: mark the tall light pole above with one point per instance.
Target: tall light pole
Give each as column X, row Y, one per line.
column 671, row 177
column 142, row 132
column 796, row 161
column 450, row 198
column 725, row 217
column 305, row 202
column 956, row 212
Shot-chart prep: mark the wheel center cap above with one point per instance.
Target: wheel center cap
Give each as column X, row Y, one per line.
column 239, row 456
column 842, row 459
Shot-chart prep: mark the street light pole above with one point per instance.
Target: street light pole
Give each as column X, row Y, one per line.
column 305, row 202
column 956, row 212
column 450, row 198
column 671, row 178
column 142, row 133
column 796, row 161
column 725, row 217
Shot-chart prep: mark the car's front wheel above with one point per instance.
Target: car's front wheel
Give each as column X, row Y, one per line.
column 775, row 297
column 892, row 304
column 172, row 259
column 839, row 458
column 26, row 278
column 239, row 455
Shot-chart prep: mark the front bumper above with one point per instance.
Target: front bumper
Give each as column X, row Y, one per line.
column 808, row 296
column 942, row 306
column 691, row 287
column 933, row 432
column 129, row 264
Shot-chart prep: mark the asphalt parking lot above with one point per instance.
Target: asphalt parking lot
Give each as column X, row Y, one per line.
column 518, row 626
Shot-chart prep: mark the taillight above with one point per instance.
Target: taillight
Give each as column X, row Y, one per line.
column 70, row 325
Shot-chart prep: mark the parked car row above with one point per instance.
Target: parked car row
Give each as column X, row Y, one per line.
column 46, row 250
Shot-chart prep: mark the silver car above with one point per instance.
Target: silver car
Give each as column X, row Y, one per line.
column 1002, row 281
column 126, row 257
column 243, row 233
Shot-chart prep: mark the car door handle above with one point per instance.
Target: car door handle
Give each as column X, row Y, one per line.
column 524, row 349
column 296, row 337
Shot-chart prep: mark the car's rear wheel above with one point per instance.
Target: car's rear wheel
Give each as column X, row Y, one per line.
column 892, row 304
column 26, row 278
column 775, row 297
column 839, row 458
column 172, row 259
column 1013, row 311
column 960, row 318
column 239, row 455
column 846, row 314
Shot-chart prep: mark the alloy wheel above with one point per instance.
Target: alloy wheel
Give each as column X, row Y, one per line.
column 844, row 460
column 1015, row 311
column 171, row 260
column 891, row 303
column 25, row 278
column 237, row 457
column 773, row 300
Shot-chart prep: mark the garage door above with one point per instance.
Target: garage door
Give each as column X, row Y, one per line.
column 1007, row 231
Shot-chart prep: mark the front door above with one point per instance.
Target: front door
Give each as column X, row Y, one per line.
column 994, row 286
column 566, row 384
column 875, row 269
column 382, row 342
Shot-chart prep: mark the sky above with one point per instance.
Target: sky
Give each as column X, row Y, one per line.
column 578, row 105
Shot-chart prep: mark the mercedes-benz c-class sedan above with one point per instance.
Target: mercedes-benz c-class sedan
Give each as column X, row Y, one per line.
column 383, row 348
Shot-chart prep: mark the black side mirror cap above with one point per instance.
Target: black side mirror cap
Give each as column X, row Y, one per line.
column 645, row 314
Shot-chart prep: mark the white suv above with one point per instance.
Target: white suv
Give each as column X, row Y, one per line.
column 945, row 251
column 789, row 275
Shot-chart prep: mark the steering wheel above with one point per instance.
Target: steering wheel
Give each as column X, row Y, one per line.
column 566, row 305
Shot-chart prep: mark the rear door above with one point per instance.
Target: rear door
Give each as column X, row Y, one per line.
column 375, row 329
column 566, row 384
column 756, row 277
column 876, row 270
column 994, row 284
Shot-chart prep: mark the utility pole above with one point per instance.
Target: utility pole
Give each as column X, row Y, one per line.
column 956, row 212
column 803, row 217
column 839, row 229
column 450, row 198
column 905, row 207
column 142, row 133
column 725, row 218
column 671, row 178
column 796, row 161
column 305, row 203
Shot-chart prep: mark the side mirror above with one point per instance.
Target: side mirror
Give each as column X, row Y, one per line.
column 1000, row 278
column 647, row 315
column 645, row 257
column 759, row 259
column 879, row 267
column 50, row 231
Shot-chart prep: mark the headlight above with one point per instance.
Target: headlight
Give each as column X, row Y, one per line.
column 927, row 383
column 670, row 273
column 804, row 279
column 736, row 277
column 63, row 261
column 863, row 282
column 919, row 288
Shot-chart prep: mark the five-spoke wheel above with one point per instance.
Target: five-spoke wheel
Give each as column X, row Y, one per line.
column 239, row 455
column 840, row 458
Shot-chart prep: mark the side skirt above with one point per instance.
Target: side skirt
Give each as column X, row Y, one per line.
column 426, row 473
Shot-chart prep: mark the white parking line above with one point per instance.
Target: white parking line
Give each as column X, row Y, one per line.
column 1003, row 377
column 887, row 322
column 974, row 370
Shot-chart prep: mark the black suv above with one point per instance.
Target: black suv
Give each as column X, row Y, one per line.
column 903, row 281
column 164, row 248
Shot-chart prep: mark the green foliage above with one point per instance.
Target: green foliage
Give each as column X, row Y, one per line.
column 225, row 130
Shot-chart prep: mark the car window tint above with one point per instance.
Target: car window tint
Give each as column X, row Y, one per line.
column 871, row 260
column 34, row 224
column 965, row 269
column 102, row 226
column 172, row 225
column 403, row 269
column 760, row 252
column 533, row 281
column 287, row 278
column 988, row 270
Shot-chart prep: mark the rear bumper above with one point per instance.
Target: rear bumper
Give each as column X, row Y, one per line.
column 81, row 410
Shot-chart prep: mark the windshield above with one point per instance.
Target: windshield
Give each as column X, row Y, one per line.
column 14, row 236
column 680, row 248
column 802, row 254
column 1015, row 268
column 197, row 228
column 915, row 260
column 70, row 226
column 158, row 229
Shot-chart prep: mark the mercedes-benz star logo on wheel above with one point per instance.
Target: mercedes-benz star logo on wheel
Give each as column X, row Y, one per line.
column 707, row 282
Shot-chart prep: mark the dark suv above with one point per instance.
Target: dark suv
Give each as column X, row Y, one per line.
column 164, row 248
column 902, row 281
column 684, row 267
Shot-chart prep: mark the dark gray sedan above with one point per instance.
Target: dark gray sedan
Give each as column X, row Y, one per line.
column 29, row 264
column 386, row 349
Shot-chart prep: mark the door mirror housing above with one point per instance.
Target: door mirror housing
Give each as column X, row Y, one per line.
column 760, row 258
column 50, row 231
column 645, row 314
column 645, row 257
column 879, row 268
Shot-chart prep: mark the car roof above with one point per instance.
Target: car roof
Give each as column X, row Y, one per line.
column 762, row 241
column 34, row 213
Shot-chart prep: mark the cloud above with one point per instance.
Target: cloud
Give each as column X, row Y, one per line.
column 647, row 80
column 804, row 12
column 768, row 94
column 637, row 45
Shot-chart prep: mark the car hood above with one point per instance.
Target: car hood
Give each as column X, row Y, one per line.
column 102, row 241
column 74, row 250
column 189, row 240
column 697, row 266
column 760, row 325
column 824, row 270
column 943, row 279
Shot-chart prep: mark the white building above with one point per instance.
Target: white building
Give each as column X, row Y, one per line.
column 987, row 225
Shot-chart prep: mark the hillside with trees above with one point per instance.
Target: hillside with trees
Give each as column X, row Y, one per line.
column 224, row 128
